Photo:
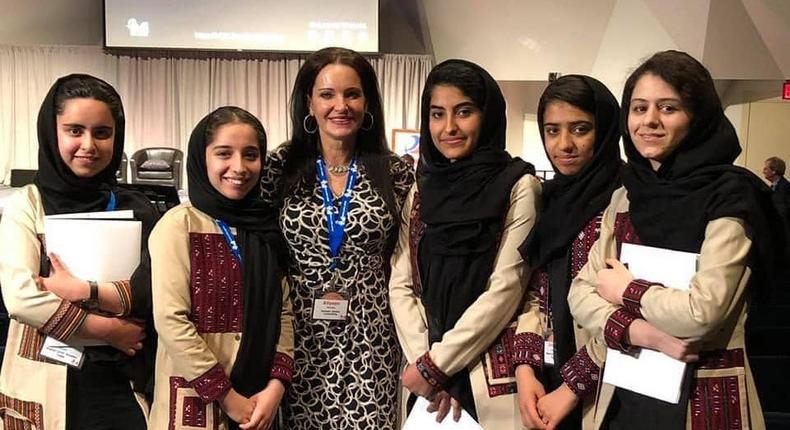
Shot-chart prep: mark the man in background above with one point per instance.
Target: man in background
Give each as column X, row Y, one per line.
column 774, row 172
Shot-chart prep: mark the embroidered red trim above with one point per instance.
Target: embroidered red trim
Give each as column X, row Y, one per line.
column 614, row 331
column 31, row 344
column 194, row 412
column 632, row 296
column 624, row 231
column 581, row 373
column 216, row 288
column 33, row 411
column 722, row 359
column 283, row 368
column 580, row 247
column 66, row 320
column 124, row 290
column 431, row 372
column 528, row 349
column 211, row 385
column 416, row 230
column 716, row 403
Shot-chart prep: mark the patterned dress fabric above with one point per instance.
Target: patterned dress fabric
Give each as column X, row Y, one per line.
column 346, row 373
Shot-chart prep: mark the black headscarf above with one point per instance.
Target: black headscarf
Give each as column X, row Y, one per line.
column 568, row 204
column 263, row 253
column 463, row 205
column 672, row 206
column 63, row 192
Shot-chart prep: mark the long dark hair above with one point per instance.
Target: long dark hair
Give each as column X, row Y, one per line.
column 303, row 148
column 693, row 83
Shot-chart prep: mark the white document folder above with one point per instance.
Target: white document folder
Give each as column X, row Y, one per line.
column 127, row 214
column 421, row 419
column 650, row 372
column 95, row 249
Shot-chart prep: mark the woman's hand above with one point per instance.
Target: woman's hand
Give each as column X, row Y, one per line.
column 555, row 406
column 643, row 334
column 266, row 403
column 414, row 382
column 125, row 335
column 529, row 391
column 237, row 407
column 679, row 349
column 441, row 404
column 613, row 282
column 63, row 283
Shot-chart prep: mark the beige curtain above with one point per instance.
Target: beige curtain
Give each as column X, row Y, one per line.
column 165, row 96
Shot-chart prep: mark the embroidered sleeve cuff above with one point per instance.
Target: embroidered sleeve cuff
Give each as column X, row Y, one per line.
column 283, row 368
column 632, row 296
column 211, row 385
column 66, row 320
column 581, row 374
column 528, row 349
column 124, row 290
column 616, row 326
column 430, row 371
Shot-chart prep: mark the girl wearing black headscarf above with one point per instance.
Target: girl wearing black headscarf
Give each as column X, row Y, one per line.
column 456, row 283
column 681, row 192
column 221, row 307
column 81, row 136
column 578, row 120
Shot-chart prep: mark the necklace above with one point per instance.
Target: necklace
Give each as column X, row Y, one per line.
column 337, row 170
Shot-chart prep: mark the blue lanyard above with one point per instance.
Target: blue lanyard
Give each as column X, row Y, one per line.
column 111, row 203
column 234, row 247
column 336, row 221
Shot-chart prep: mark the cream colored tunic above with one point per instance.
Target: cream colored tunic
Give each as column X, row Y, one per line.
column 32, row 390
column 468, row 343
column 713, row 310
column 198, row 293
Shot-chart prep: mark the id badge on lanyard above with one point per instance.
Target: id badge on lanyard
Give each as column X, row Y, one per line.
column 331, row 303
column 548, row 343
column 232, row 244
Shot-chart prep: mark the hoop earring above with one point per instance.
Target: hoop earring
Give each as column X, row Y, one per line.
column 367, row 115
column 304, row 124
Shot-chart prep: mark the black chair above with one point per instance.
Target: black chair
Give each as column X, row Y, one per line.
column 157, row 166
column 163, row 197
column 121, row 175
column 22, row 177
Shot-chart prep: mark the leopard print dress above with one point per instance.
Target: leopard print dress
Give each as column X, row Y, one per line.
column 346, row 373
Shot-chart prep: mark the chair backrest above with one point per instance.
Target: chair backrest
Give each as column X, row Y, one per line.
column 121, row 174
column 172, row 156
column 22, row 177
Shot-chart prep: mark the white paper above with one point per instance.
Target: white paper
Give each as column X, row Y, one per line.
column 650, row 372
column 421, row 419
column 122, row 214
column 97, row 250
column 61, row 352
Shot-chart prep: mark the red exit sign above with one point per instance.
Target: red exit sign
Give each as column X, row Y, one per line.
column 786, row 90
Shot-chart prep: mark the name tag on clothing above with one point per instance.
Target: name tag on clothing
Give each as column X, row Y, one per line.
column 58, row 351
column 548, row 353
column 330, row 306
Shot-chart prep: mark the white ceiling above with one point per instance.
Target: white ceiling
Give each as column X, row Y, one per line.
column 517, row 39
